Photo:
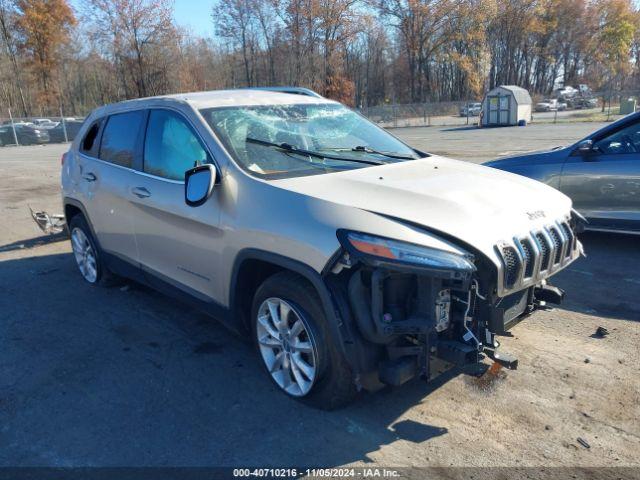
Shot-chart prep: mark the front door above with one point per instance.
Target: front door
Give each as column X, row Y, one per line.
column 178, row 244
column 605, row 184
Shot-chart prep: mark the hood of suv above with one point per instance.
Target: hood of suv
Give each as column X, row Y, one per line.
column 480, row 206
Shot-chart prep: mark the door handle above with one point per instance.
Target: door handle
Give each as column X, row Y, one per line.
column 141, row 192
column 90, row 177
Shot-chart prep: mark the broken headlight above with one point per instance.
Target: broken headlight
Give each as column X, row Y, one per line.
column 387, row 250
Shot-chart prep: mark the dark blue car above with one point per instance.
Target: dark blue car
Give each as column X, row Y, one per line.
column 601, row 174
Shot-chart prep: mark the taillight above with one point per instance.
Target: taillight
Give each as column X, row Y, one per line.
column 63, row 158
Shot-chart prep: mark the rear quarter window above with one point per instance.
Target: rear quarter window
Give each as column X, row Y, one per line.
column 120, row 138
column 90, row 144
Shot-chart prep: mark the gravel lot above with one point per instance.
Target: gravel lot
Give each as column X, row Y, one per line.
column 125, row 376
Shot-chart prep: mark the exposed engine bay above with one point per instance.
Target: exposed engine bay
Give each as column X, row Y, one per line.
column 424, row 321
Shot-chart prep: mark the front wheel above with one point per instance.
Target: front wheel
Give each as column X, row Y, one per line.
column 296, row 345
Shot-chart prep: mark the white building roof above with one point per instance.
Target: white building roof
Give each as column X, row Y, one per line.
column 520, row 94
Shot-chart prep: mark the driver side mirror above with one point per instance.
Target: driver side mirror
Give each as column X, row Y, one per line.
column 586, row 147
column 198, row 184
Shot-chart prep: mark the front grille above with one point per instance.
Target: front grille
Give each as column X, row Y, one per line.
column 557, row 245
column 544, row 250
column 530, row 259
column 512, row 265
column 569, row 234
column 529, row 262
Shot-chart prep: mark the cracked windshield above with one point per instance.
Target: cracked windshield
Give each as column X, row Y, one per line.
column 280, row 141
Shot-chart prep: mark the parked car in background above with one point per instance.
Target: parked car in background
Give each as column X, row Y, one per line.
column 590, row 102
column 27, row 134
column 18, row 122
column 349, row 258
column 566, row 92
column 580, row 102
column 547, row 105
column 471, row 110
column 601, row 174
column 56, row 134
column 584, row 89
column 44, row 123
column 562, row 105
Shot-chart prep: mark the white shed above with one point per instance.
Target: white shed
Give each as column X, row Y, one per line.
column 506, row 105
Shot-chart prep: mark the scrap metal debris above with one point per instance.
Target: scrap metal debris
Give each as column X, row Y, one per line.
column 49, row 224
column 601, row 332
column 583, row 442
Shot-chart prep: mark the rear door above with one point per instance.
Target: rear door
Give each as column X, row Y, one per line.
column 109, row 154
column 178, row 244
column 605, row 184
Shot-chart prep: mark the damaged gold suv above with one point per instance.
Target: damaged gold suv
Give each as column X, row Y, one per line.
column 351, row 259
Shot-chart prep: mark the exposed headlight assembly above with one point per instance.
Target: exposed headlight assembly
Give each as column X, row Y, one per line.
column 379, row 250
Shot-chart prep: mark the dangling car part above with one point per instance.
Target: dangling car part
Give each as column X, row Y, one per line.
column 49, row 224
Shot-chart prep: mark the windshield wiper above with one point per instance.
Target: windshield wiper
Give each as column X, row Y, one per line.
column 364, row 149
column 291, row 149
column 361, row 148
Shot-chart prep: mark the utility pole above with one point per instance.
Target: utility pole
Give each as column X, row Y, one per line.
column 64, row 125
column 13, row 127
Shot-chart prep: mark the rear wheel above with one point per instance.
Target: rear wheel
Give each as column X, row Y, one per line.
column 296, row 344
column 86, row 253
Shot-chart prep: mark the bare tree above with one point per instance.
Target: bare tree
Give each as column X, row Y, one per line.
column 235, row 20
column 134, row 29
column 362, row 52
column 7, row 17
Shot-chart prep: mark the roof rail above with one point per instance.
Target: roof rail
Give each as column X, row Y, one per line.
column 292, row 90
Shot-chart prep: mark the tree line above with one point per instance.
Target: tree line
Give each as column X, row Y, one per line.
column 361, row 52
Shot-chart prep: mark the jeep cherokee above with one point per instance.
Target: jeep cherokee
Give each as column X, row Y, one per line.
column 350, row 259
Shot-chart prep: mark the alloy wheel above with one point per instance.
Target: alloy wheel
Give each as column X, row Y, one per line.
column 85, row 255
column 287, row 347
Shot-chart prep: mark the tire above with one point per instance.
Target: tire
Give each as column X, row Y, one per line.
column 331, row 386
column 94, row 272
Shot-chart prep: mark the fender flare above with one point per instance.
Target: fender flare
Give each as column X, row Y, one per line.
column 77, row 204
column 337, row 325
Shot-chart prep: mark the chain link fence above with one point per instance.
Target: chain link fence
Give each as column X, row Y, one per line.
column 38, row 130
column 596, row 107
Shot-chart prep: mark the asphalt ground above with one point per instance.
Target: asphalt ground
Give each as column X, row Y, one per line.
column 125, row 376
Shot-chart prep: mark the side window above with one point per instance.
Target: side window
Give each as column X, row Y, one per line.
column 625, row 140
column 171, row 147
column 120, row 136
column 89, row 144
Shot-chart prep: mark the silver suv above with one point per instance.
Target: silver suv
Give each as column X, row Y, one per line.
column 349, row 258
